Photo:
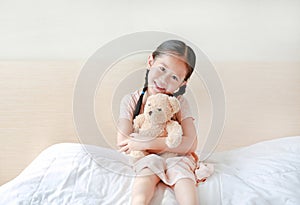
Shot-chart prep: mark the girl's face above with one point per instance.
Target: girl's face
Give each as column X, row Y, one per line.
column 166, row 74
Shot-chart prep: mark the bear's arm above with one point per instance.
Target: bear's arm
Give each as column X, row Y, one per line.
column 174, row 135
column 138, row 122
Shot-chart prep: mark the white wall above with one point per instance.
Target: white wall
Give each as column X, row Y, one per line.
column 254, row 30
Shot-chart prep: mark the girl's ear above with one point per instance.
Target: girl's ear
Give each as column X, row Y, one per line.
column 150, row 61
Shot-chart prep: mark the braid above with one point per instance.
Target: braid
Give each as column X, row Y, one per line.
column 181, row 91
column 140, row 101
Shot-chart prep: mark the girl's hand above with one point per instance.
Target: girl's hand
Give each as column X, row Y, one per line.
column 132, row 144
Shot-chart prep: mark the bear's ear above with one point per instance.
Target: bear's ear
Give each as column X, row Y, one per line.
column 174, row 104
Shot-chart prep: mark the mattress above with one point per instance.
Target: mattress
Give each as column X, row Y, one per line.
column 70, row 173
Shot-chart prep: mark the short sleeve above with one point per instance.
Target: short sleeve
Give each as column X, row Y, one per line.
column 185, row 110
column 126, row 107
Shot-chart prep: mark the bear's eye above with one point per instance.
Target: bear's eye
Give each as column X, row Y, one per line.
column 159, row 109
column 149, row 104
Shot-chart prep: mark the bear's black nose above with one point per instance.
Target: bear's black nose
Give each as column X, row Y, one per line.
column 150, row 113
column 159, row 109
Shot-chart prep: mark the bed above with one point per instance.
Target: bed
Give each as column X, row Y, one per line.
column 43, row 161
column 72, row 173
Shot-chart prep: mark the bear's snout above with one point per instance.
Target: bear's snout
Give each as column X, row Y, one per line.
column 150, row 113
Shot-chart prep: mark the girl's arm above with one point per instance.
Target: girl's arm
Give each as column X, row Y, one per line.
column 188, row 144
column 125, row 128
column 125, row 142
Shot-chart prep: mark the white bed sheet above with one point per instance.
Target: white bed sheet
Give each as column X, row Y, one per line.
column 263, row 173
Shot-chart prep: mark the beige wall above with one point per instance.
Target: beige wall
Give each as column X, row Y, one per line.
column 262, row 100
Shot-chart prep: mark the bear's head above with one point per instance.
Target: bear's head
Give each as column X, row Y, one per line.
column 160, row 108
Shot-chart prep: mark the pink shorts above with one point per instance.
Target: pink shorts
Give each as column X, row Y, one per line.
column 169, row 170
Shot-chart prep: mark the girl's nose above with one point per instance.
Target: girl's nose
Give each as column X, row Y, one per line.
column 163, row 79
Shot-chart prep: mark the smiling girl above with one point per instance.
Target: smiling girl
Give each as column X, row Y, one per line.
column 168, row 69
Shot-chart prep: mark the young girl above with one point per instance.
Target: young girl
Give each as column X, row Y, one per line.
column 169, row 68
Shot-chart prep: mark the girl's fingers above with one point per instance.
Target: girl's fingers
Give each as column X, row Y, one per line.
column 133, row 135
column 123, row 143
column 121, row 149
column 124, row 149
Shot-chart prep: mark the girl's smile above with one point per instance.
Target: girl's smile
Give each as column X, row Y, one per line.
column 158, row 87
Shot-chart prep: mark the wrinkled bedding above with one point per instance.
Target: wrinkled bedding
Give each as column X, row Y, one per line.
column 264, row 173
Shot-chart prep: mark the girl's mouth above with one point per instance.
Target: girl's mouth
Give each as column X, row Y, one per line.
column 159, row 88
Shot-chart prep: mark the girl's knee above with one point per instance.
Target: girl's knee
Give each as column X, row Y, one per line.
column 187, row 186
column 139, row 200
column 186, row 181
column 144, row 188
column 147, row 173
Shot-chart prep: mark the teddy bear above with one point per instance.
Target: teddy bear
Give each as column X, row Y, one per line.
column 156, row 121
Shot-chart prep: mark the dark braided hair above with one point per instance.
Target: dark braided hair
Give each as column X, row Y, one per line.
column 174, row 48
column 140, row 101
column 181, row 91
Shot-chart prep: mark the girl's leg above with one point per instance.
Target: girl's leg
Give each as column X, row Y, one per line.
column 143, row 187
column 186, row 192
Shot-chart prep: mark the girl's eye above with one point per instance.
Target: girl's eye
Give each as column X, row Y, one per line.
column 162, row 68
column 174, row 78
